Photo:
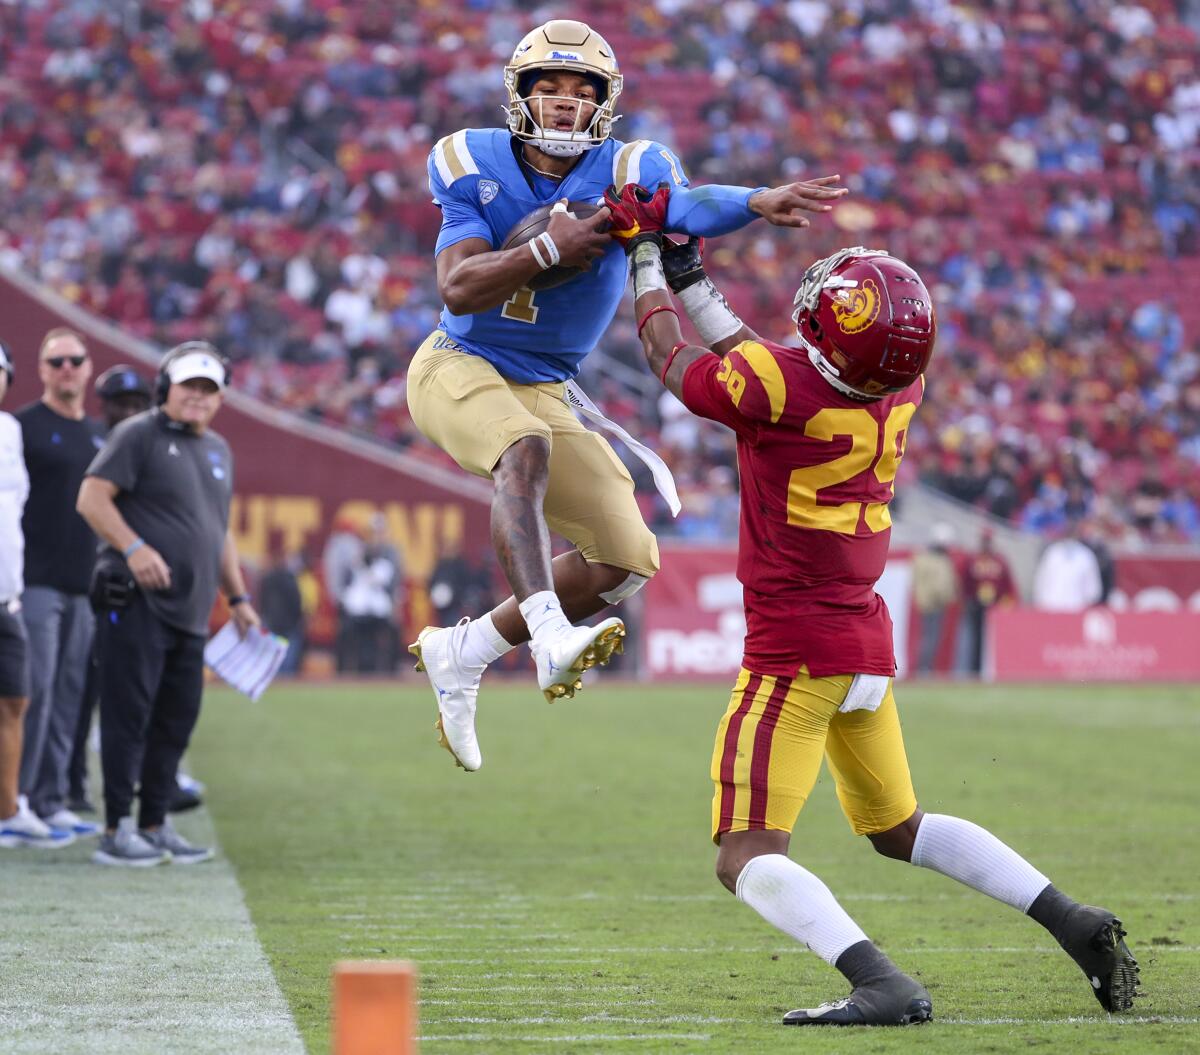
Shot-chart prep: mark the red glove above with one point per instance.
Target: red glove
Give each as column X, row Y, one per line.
column 638, row 215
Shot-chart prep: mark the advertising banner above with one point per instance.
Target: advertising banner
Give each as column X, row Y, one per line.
column 1098, row 644
column 694, row 626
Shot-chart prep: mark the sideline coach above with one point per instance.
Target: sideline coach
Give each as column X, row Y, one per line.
column 158, row 495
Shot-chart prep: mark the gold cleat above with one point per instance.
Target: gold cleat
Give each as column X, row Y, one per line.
column 443, row 742
column 415, row 648
column 561, row 666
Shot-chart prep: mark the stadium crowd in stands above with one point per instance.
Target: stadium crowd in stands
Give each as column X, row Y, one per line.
column 253, row 173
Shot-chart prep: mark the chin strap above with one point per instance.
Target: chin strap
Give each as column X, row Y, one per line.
column 829, row 372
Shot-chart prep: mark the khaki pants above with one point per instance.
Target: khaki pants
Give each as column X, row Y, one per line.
column 461, row 403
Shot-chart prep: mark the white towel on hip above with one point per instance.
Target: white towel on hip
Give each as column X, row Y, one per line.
column 663, row 480
column 866, row 693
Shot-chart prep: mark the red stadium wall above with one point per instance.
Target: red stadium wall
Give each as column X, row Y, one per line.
column 293, row 479
column 693, row 624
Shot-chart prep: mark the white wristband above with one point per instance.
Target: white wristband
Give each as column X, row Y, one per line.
column 550, row 247
column 547, row 243
column 709, row 311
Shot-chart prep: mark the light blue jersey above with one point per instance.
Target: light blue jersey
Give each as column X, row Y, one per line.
column 483, row 190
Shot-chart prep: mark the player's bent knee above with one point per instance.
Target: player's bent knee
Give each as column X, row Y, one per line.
column 728, row 868
column 523, row 459
column 626, row 584
column 738, row 849
column 897, row 842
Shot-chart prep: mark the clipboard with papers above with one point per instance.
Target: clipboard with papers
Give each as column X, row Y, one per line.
column 248, row 663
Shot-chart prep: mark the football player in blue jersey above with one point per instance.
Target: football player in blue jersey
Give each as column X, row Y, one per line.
column 488, row 385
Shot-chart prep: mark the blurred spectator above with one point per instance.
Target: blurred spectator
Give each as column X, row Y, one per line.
column 260, row 178
column 935, row 589
column 987, row 582
column 369, row 601
column 450, row 583
column 343, row 555
column 1092, row 536
column 19, row 825
column 1068, row 577
column 380, row 547
column 282, row 607
column 60, row 550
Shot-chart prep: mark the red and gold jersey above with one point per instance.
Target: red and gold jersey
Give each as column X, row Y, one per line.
column 817, row 470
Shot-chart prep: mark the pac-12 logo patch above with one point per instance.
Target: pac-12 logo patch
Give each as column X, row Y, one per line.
column 856, row 309
column 488, row 189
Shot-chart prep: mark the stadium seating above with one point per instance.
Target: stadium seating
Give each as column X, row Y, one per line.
column 239, row 177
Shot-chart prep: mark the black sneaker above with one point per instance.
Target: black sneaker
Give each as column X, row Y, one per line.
column 80, row 803
column 900, row 1001
column 1094, row 939
column 183, row 799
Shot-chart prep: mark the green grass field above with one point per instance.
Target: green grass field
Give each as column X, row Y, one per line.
column 562, row 898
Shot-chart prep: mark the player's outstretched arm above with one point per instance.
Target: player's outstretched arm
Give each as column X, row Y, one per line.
column 716, row 209
column 472, row 277
column 716, row 322
column 667, row 353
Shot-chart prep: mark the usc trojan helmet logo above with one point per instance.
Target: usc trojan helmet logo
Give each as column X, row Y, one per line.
column 856, row 309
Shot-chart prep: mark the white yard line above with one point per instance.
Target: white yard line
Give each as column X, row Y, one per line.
column 101, row 961
column 427, row 954
column 572, row 1038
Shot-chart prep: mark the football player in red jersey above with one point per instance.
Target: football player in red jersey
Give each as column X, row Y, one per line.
column 820, row 432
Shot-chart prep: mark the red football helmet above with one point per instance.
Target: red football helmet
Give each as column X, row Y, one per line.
column 867, row 322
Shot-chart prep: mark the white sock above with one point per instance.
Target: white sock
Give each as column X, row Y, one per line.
column 544, row 616
column 974, row 856
column 799, row 904
column 483, row 643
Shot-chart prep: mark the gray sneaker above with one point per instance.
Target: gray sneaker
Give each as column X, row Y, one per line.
column 125, row 848
column 175, row 846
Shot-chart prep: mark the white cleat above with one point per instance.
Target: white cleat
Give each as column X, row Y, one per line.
column 560, row 667
column 456, row 687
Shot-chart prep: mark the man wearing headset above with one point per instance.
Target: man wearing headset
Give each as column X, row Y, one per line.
column 158, row 496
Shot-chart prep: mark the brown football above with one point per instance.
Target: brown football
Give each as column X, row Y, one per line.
column 531, row 225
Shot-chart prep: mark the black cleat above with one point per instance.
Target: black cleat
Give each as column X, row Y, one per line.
column 901, row 1001
column 1094, row 939
column 183, row 799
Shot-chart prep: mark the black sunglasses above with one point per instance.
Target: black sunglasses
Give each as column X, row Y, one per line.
column 58, row 361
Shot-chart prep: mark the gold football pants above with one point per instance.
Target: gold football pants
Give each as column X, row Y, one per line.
column 769, row 748
column 461, row 403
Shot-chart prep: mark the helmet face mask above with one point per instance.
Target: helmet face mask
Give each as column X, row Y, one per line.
column 573, row 47
column 867, row 322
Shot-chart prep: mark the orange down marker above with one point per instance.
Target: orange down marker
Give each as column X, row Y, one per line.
column 374, row 1007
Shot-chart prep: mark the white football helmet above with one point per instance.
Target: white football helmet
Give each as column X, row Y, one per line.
column 562, row 44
